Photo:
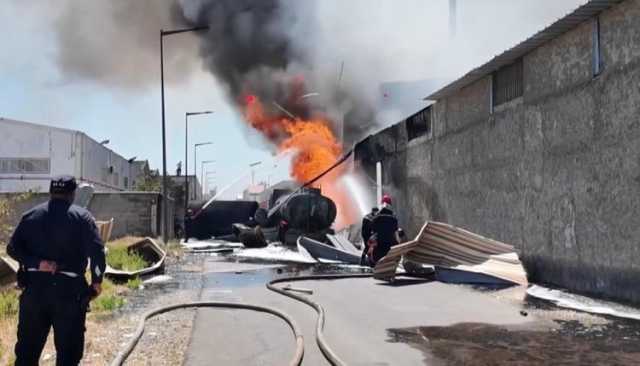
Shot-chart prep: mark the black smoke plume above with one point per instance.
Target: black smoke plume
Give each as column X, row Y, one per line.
column 250, row 47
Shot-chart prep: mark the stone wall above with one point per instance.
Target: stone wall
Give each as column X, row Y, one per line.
column 555, row 173
column 134, row 213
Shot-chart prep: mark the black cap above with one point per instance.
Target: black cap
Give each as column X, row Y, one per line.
column 63, row 184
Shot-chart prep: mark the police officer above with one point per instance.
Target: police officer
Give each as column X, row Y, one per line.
column 52, row 243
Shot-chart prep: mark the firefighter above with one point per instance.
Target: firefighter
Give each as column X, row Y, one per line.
column 366, row 232
column 53, row 243
column 385, row 231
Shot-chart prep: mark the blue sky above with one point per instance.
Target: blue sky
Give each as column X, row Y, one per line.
column 32, row 87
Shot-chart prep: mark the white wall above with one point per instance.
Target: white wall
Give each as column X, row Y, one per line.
column 29, row 141
column 103, row 167
column 69, row 152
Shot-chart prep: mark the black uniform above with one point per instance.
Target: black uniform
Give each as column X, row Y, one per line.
column 66, row 234
column 366, row 232
column 384, row 226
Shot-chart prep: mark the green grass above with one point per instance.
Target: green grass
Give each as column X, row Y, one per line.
column 8, row 304
column 109, row 300
column 134, row 283
column 107, row 303
column 120, row 258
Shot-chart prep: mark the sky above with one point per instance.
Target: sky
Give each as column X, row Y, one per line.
column 403, row 40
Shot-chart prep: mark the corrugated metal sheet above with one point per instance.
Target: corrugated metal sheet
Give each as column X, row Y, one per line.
column 583, row 13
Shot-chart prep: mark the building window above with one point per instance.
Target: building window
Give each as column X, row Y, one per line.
column 419, row 124
column 25, row 166
column 507, row 83
column 126, row 182
column 597, row 49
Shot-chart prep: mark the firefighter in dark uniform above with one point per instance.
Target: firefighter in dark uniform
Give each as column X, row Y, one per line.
column 53, row 243
column 366, row 232
column 384, row 230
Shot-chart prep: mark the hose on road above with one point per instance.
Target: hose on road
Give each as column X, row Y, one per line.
column 327, row 351
column 295, row 361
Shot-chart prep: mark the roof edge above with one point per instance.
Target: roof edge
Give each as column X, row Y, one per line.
column 569, row 22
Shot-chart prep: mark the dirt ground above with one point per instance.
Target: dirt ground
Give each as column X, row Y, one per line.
column 107, row 333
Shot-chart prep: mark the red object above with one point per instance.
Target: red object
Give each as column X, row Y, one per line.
column 386, row 199
column 250, row 98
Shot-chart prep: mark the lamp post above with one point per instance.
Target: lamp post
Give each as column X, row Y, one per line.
column 208, row 177
column 195, row 159
column 165, row 218
column 186, row 157
column 202, row 171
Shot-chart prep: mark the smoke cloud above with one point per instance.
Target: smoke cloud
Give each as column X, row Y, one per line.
column 355, row 61
column 116, row 42
column 346, row 52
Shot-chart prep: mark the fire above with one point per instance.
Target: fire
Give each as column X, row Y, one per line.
column 313, row 143
column 315, row 146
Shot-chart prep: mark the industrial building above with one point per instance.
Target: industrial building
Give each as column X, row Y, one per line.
column 30, row 154
column 539, row 147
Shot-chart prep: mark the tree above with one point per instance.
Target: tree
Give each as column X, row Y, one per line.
column 150, row 181
column 8, row 215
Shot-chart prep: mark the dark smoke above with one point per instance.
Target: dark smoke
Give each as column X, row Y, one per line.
column 250, row 48
column 116, row 42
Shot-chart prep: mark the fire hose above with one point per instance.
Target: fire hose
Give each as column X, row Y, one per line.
column 327, row 351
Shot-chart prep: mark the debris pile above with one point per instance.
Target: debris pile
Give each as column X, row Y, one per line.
column 459, row 256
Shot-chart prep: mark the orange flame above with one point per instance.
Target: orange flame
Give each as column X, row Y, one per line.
column 314, row 144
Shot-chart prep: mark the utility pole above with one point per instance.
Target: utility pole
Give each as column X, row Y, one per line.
column 453, row 18
column 165, row 200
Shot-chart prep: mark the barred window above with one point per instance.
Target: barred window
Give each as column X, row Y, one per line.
column 598, row 65
column 419, row 124
column 25, row 166
column 508, row 83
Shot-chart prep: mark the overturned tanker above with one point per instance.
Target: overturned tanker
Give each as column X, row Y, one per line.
column 304, row 212
column 216, row 218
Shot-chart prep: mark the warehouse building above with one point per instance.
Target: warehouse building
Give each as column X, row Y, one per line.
column 30, row 154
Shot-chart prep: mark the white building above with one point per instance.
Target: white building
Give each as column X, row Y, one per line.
column 30, row 154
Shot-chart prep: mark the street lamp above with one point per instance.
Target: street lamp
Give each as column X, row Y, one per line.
column 202, row 171
column 165, row 218
column 186, row 157
column 195, row 159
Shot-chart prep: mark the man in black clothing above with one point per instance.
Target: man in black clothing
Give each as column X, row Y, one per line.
column 385, row 229
column 52, row 243
column 366, row 232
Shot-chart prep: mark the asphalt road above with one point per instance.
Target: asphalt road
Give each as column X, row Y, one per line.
column 360, row 314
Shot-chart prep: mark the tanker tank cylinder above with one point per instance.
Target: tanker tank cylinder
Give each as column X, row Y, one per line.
column 308, row 211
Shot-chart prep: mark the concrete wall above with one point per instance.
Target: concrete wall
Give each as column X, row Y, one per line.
column 134, row 213
column 555, row 173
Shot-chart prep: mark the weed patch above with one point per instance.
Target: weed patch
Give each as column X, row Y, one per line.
column 120, row 258
column 109, row 300
column 107, row 303
column 8, row 304
column 134, row 283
